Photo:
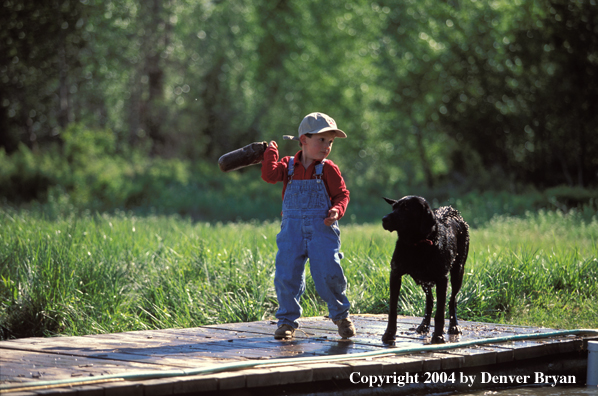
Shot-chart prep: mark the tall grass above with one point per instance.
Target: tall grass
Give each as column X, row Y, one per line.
column 100, row 273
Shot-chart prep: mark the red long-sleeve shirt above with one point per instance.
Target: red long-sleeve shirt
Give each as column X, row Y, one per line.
column 274, row 171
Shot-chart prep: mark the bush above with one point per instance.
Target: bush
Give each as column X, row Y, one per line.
column 24, row 176
column 90, row 171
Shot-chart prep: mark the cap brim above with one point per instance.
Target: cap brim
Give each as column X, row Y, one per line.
column 338, row 132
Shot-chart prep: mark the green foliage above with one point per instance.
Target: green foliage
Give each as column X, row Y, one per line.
column 436, row 95
column 97, row 176
column 25, row 176
column 88, row 274
column 90, row 171
column 82, row 145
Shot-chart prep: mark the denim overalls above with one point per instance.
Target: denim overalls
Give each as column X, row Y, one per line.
column 304, row 235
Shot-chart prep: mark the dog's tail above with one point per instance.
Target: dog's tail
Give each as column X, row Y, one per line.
column 462, row 236
column 462, row 243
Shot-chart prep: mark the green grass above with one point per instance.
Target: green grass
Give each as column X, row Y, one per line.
column 85, row 274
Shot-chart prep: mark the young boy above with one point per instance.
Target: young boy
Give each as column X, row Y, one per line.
column 314, row 198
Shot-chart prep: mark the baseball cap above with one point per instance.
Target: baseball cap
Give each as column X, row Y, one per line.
column 317, row 123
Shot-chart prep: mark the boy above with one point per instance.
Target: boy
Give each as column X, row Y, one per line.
column 314, row 199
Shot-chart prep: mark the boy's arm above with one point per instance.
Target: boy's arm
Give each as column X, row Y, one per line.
column 273, row 171
column 339, row 194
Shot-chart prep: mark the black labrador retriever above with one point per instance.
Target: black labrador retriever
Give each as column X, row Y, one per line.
column 431, row 245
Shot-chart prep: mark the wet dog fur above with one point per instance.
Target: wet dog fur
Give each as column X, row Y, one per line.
column 432, row 244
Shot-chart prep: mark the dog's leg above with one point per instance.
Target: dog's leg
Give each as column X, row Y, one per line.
column 424, row 327
column 457, row 277
column 395, row 288
column 441, row 286
column 456, row 282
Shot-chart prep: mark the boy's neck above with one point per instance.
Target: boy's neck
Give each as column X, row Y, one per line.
column 305, row 160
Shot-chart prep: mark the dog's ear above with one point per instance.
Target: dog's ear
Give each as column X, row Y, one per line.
column 428, row 222
column 390, row 201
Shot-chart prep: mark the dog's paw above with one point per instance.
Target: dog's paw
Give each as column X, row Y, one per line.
column 389, row 337
column 438, row 339
column 455, row 330
column 423, row 328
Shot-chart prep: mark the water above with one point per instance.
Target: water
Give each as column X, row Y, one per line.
column 537, row 391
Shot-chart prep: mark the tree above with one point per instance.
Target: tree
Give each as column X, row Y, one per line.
column 40, row 69
column 527, row 90
column 559, row 56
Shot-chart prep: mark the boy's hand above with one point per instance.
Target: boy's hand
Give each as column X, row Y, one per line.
column 332, row 217
column 273, row 144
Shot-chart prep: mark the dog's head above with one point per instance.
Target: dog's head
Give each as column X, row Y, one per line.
column 411, row 217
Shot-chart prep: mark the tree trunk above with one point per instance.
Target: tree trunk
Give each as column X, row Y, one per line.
column 152, row 112
column 63, row 115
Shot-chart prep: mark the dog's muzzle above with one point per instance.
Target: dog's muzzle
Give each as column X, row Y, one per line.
column 386, row 223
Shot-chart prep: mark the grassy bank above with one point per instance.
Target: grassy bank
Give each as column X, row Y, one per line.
column 84, row 274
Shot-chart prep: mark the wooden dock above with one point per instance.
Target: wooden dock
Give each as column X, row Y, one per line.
column 107, row 364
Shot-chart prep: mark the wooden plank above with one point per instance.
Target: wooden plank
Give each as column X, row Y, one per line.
column 365, row 367
column 187, row 385
column 25, row 393
column 56, row 391
column 129, row 351
column 114, row 342
column 256, row 378
column 390, row 365
column 25, row 366
column 328, row 371
column 32, row 369
column 125, row 388
column 89, row 390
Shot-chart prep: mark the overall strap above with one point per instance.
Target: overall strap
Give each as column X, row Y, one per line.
column 291, row 168
column 319, row 169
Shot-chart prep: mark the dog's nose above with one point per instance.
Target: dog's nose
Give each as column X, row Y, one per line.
column 385, row 224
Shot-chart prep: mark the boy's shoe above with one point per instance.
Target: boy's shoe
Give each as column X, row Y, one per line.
column 346, row 328
column 284, row 332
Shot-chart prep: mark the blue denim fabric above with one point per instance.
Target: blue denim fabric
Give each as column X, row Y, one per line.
column 303, row 235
